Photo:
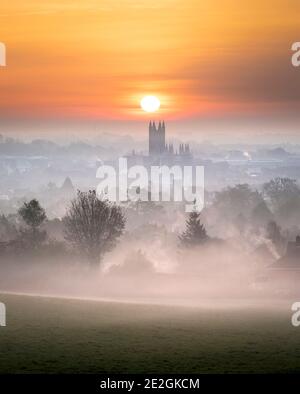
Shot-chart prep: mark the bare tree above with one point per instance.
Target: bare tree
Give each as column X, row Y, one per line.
column 93, row 226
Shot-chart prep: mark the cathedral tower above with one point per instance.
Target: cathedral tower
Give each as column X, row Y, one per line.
column 157, row 138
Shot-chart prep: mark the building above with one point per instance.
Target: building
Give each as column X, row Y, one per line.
column 157, row 139
column 160, row 151
column 158, row 146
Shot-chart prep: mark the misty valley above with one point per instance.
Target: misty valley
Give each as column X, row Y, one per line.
column 59, row 236
column 149, row 195
column 85, row 280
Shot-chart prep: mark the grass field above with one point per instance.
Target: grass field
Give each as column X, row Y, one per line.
column 73, row 336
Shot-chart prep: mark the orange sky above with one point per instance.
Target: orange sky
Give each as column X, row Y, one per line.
column 96, row 59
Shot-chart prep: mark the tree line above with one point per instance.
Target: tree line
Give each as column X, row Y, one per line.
column 93, row 226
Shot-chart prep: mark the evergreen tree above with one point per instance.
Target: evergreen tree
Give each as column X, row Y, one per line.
column 195, row 233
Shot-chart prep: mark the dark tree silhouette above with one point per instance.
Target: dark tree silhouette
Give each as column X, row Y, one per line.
column 93, row 226
column 195, row 233
column 34, row 216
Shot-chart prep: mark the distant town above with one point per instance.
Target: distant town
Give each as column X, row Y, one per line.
column 51, row 171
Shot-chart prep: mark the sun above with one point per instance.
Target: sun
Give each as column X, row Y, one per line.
column 150, row 103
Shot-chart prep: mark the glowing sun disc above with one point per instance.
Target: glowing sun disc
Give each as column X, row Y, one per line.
column 150, row 103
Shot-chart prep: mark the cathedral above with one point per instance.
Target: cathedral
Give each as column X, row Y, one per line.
column 157, row 139
column 157, row 142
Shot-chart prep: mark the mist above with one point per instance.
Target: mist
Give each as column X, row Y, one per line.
column 251, row 221
column 154, row 268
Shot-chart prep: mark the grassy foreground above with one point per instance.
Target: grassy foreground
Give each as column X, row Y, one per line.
column 54, row 335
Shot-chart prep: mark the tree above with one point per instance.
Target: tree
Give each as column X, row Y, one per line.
column 34, row 216
column 93, row 225
column 280, row 190
column 237, row 199
column 195, row 233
